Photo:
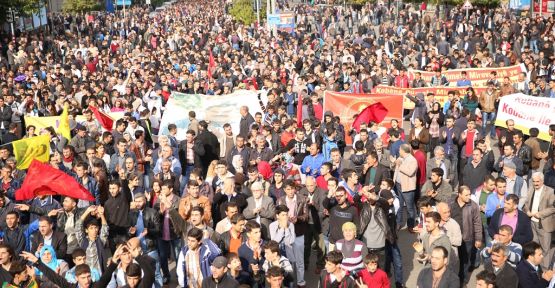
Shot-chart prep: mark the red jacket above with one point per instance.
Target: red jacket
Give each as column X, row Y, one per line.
column 377, row 279
column 421, row 159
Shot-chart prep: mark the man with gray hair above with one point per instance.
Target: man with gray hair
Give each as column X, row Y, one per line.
column 246, row 121
column 449, row 226
column 261, row 152
column 515, row 183
column 505, row 275
column 260, row 207
column 439, row 161
column 540, row 207
column 406, row 168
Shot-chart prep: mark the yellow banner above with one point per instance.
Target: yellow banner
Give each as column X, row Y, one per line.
column 25, row 150
column 63, row 128
column 55, row 121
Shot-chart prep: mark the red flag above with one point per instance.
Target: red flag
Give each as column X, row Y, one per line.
column 211, row 65
column 299, row 111
column 375, row 113
column 105, row 121
column 43, row 179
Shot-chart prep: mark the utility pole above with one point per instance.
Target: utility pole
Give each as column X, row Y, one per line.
column 257, row 12
column 11, row 19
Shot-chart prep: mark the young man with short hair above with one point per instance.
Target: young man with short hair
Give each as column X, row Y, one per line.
column 80, row 257
column 437, row 275
column 334, row 275
column 251, row 252
column 219, row 277
column 195, row 259
column 529, row 271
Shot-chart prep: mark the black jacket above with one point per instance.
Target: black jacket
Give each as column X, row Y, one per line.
column 525, row 154
column 381, row 217
column 198, row 152
column 523, row 232
column 245, row 125
column 59, row 242
column 6, row 115
column 60, row 281
column 382, row 173
column 448, row 280
column 151, row 222
column 226, row 282
column 220, row 199
column 505, row 277
column 211, row 147
column 223, row 240
column 528, row 277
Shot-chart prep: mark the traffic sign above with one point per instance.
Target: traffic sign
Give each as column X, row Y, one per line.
column 467, row 5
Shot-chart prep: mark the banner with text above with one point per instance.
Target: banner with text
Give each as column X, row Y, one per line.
column 478, row 76
column 440, row 93
column 346, row 105
column 217, row 109
column 54, row 121
column 527, row 112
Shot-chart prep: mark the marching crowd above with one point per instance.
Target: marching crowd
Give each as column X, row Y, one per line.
column 251, row 208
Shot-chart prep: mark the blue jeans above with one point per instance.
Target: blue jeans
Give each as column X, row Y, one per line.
column 534, row 46
column 488, row 116
column 158, row 281
column 408, row 198
column 165, row 249
column 393, row 254
column 185, row 178
column 454, row 158
column 298, row 251
column 467, row 255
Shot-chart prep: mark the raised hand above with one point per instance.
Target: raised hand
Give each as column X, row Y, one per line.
column 22, row 207
column 29, row 256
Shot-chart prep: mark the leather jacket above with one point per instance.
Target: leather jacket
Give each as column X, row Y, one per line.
column 381, row 217
column 151, row 222
column 525, row 154
column 224, row 239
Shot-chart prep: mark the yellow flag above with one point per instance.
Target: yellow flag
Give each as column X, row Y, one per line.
column 63, row 128
column 25, row 150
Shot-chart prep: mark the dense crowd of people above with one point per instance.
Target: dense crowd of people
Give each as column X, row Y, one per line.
column 253, row 208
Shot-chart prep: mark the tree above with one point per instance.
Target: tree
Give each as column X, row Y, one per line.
column 22, row 7
column 243, row 11
column 80, row 5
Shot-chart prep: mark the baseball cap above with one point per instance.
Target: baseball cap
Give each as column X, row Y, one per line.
column 219, row 262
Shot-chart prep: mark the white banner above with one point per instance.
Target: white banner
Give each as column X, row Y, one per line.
column 216, row 109
column 527, row 112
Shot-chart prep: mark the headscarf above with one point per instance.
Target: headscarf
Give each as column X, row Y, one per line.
column 54, row 263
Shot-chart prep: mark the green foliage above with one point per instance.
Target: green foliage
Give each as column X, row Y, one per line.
column 80, row 5
column 359, row 2
column 22, row 7
column 243, row 11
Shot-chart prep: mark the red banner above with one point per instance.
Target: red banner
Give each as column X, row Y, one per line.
column 346, row 105
column 478, row 76
column 440, row 93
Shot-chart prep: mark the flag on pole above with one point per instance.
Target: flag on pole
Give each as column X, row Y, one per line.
column 211, row 65
column 375, row 113
column 25, row 150
column 299, row 110
column 63, row 128
column 105, row 121
column 43, row 179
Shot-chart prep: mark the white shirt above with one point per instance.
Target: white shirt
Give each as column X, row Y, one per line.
column 536, row 203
